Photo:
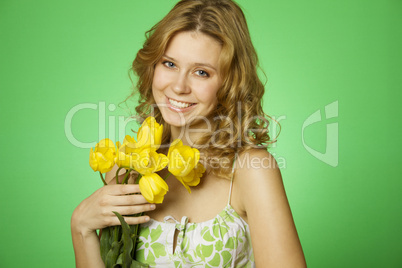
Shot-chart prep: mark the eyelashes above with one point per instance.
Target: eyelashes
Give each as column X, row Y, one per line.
column 200, row 73
column 169, row 64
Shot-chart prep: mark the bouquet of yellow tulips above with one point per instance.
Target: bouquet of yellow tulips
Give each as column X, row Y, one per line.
column 118, row 243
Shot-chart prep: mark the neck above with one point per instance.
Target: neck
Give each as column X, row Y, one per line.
column 190, row 134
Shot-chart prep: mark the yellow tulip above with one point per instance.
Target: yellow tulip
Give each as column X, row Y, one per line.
column 153, row 188
column 102, row 159
column 124, row 156
column 150, row 133
column 193, row 178
column 129, row 145
column 123, row 160
column 182, row 158
column 128, row 152
column 148, row 161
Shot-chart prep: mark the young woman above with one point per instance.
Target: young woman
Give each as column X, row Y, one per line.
column 197, row 76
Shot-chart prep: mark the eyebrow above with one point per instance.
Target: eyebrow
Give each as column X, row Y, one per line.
column 195, row 63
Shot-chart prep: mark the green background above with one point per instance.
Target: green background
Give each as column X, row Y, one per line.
column 56, row 55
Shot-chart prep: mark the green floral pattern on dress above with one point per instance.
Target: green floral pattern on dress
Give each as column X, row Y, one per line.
column 223, row 241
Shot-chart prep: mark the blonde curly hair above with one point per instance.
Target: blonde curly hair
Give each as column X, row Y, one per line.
column 239, row 120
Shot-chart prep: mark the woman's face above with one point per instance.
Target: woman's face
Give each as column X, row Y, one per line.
column 187, row 78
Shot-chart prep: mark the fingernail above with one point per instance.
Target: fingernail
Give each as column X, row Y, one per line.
column 153, row 206
column 147, row 218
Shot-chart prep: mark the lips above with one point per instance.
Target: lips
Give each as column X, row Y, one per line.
column 179, row 105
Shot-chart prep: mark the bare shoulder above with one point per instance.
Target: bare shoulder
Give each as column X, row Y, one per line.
column 257, row 166
column 257, row 182
column 261, row 196
column 256, row 159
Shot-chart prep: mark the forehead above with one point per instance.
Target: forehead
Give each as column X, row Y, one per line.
column 194, row 47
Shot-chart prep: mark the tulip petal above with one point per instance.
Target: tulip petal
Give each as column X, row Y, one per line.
column 92, row 160
column 160, row 182
column 153, row 188
column 180, row 179
column 150, row 134
column 146, row 189
column 102, row 158
column 193, row 178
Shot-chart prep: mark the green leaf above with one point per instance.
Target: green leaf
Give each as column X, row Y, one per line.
column 113, row 254
column 134, row 235
column 104, row 243
column 120, row 259
column 127, row 239
column 127, row 242
column 137, row 264
column 115, row 234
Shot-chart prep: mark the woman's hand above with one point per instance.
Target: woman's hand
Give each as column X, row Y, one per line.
column 95, row 212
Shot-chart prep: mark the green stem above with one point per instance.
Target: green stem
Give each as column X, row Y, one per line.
column 136, row 231
column 137, row 180
column 103, row 180
column 116, row 233
column 117, row 174
column 126, row 176
column 167, row 176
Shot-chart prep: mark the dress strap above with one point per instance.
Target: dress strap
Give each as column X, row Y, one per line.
column 231, row 179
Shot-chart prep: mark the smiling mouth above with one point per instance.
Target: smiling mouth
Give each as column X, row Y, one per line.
column 179, row 104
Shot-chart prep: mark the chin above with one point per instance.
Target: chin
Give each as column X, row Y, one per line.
column 175, row 120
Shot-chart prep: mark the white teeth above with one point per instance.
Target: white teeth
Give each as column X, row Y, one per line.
column 178, row 104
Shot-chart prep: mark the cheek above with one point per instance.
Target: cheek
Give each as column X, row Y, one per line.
column 208, row 95
column 159, row 80
column 155, row 81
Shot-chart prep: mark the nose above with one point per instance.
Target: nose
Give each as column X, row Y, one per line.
column 180, row 84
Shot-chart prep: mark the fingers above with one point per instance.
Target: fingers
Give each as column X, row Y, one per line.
column 110, row 219
column 136, row 220
column 130, row 220
column 120, row 195
column 130, row 210
column 124, row 200
column 122, row 189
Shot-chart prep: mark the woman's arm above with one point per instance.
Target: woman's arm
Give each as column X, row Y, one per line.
column 262, row 196
column 95, row 212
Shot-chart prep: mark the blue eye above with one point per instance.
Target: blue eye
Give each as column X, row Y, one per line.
column 169, row 64
column 202, row 73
